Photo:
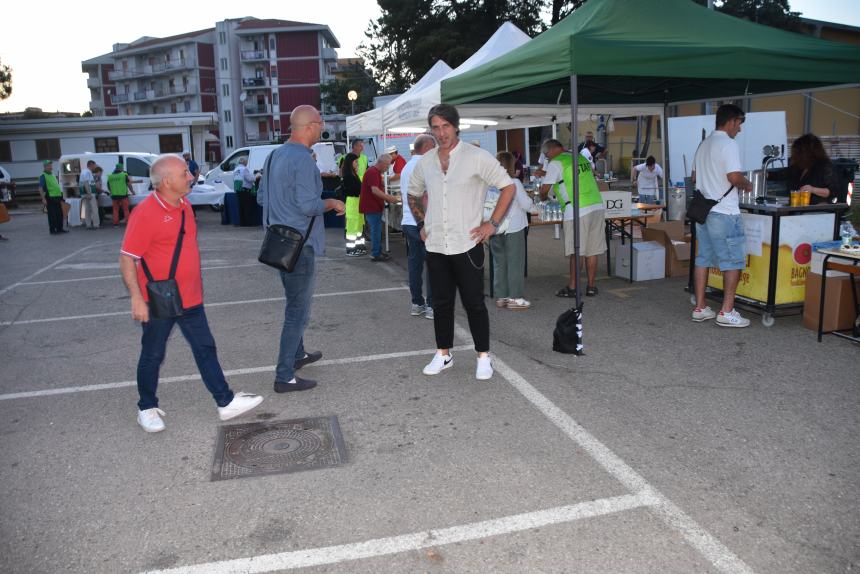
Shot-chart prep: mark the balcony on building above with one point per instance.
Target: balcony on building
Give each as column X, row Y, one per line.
column 97, row 106
column 255, row 83
column 253, row 109
column 329, row 54
column 159, row 69
column 94, row 82
column 119, row 99
column 254, row 55
column 259, row 137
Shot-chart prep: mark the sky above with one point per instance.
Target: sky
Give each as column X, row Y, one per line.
column 47, row 73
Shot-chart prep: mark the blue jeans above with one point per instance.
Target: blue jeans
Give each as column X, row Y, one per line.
column 298, row 290
column 195, row 328
column 374, row 220
column 416, row 255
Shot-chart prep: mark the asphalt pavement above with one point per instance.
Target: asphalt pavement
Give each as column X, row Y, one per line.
column 669, row 447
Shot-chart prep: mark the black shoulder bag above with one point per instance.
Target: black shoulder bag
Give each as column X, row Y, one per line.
column 282, row 244
column 700, row 206
column 165, row 301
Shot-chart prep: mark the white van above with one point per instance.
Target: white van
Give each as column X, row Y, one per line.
column 136, row 164
column 221, row 176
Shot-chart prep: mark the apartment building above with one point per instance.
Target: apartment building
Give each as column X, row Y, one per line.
column 251, row 72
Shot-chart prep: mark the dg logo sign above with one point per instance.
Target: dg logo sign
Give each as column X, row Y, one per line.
column 617, row 203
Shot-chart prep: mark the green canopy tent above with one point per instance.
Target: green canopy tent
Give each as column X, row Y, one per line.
column 650, row 52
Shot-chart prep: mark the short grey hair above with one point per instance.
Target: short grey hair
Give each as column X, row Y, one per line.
column 423, row 143
column 243, row 160
column 384, row 157
column 158, row 170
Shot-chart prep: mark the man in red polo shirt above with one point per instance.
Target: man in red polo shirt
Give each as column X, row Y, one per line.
column 371, row 203
column 152, row 234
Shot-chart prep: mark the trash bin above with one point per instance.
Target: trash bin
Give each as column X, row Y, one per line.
column 331, row 218
column 676, row 205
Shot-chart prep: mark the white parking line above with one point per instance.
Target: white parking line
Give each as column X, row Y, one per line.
column 416, row 540
column 47, row 267
column 208, row 306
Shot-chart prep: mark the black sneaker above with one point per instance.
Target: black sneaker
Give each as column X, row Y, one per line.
column 309, row 358
column 381, row 257
column 299, row 385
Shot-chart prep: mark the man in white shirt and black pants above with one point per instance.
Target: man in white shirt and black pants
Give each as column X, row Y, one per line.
column 456, row 176
column 721, row 242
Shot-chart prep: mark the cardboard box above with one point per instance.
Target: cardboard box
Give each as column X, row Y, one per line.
column 839, row 312
column 649, row 261
column 670, row 234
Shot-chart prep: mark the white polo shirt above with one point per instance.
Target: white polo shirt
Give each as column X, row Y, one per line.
column 718, row 155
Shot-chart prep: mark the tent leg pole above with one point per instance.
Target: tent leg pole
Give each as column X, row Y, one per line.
column 574, row 139
column 665, row 140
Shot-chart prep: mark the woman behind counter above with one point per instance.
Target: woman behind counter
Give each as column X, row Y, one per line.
column 810, row 169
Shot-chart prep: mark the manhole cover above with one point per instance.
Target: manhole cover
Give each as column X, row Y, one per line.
column 276, row 447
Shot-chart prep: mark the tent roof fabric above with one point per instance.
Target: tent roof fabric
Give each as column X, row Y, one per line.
column 646, row 51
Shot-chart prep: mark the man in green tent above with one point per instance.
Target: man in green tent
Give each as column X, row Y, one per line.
column 52, row 197
column 592, row 239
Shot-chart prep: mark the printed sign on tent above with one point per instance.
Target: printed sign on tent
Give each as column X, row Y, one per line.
column 617, row 203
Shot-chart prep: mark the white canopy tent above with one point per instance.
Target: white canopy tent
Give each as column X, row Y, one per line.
column 371, row 122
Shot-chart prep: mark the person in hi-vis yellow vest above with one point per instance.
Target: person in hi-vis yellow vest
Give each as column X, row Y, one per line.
column 52, row 197
column 592, row 236
column 352, row 169
column 119, row 185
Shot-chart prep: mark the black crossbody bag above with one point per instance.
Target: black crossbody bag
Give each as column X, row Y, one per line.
column 700, row 206
column 165, row 302
column 282, row 244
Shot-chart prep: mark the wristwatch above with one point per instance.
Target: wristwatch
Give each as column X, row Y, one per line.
column 494, row 223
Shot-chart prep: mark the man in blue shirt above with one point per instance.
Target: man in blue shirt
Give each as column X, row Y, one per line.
column 290, row 193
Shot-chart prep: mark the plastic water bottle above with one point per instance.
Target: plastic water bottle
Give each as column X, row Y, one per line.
column 846, row 232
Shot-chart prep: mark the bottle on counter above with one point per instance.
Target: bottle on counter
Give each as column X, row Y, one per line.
column 846, row 232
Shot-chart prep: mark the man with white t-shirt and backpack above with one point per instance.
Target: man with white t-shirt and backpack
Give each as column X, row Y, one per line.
column 721, row 241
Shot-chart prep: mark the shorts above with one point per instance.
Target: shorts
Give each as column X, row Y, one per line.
column 592, row 235
column 721, row 242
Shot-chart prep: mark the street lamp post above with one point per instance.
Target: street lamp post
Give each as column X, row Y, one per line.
column 352, row 95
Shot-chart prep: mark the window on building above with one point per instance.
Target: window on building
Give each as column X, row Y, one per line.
column 275, row 99
column 272, row 44
column 223, row 63
column 228, row 117
column 106, row 145
column 170, row 143
column 136, row 168
column 225, row 90
column 48, row 149
column 222, row 37
column 274, row 71
column 5, row 152
column 230, row 141
column 172, row 108
column 187, row 106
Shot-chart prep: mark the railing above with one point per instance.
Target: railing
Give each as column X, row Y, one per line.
column 255, row 82
column 94, row 82
column 154, row 69
column 329, row 54
column 252, row 109
column 119, row 99
column 97, row 105
column 254, row 55
column 263, row 137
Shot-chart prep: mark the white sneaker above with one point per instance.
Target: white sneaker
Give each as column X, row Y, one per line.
column 703, row 314
column 519, row 303
column 732, row 319
column 439, row 363
column 502, row 303
column 241, row 404
column 428, row 313
column 485, row 368
column 417, row 310
column 150, row 420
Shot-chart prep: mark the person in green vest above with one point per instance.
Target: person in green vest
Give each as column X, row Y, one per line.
column 592, row 238
column 52, row 197
column 119, row 186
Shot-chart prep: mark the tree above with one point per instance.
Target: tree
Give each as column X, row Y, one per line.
column 411, row 35
column 774, row 13
column 5, row 82
column 355, row 77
